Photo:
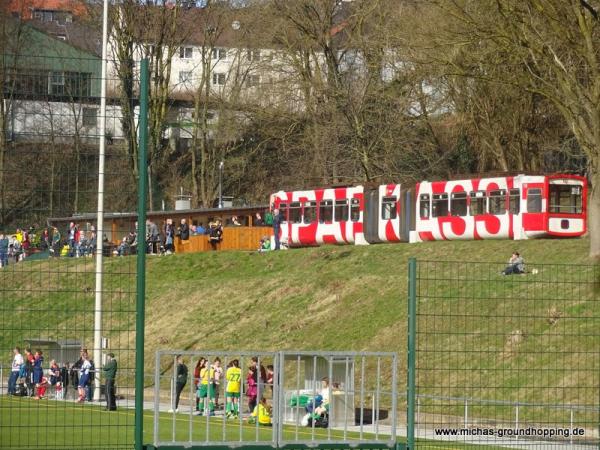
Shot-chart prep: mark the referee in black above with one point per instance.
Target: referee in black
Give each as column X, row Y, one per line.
column 110, row 372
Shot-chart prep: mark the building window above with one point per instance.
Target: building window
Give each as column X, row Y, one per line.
column 57, row 83
column 252, row 80
column 89, row 117
column 218, row 79
column 458, row 204
column 185, row 77
column 253, row 55
column 186, row 52
column 424, row 206
column 219, row 53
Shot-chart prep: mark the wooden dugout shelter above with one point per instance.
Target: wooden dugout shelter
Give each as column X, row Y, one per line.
column 244, row 237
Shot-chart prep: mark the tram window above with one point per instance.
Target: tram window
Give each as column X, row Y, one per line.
column 326, row 211
column 310, row 212
column 514, row 199
column 458, row 204
column 439, row 206
column 295, row 212
column 341, row 210
column 424, row 206
column 477, row 206
column 497, row 203
column 283, row 211
column 355, row 210
column 534, row 200
column 565, row 199
column 389, row 208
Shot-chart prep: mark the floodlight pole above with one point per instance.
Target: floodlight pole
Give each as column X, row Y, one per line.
column 221, row 164
column 100, row 215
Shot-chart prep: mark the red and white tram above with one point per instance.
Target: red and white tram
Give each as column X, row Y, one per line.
column 515, row 207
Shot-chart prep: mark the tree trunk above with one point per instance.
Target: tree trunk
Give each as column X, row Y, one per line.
column 594, row 214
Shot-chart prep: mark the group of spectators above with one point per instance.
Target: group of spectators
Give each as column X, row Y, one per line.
column 75, row 242
column 29, row 378
column 208, row 377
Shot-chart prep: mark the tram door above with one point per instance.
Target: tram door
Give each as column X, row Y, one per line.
column 371, row 216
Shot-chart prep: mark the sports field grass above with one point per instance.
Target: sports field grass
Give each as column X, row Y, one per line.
column 26, row 424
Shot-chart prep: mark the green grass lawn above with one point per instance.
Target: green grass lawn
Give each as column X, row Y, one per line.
column 26, row 423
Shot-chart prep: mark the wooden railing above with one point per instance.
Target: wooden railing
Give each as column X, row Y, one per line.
column 234, row 238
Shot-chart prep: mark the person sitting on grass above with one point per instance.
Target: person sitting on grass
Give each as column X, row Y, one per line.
column 261, row 413
column 515, row 266
column 265, row 244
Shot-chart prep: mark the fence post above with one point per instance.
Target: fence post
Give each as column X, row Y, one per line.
column 141, row 260
column 412, row 341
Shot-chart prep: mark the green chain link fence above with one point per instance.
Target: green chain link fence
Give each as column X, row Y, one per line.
column 51, row 306
column 503, row 360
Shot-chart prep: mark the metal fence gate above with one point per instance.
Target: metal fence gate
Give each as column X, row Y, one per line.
column 314, row 398
column 503, row 360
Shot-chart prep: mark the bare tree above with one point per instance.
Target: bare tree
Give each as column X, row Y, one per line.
column 553, row 47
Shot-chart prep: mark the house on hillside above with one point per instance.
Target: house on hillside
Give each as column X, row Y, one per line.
column 52, row 89
column 60, row 11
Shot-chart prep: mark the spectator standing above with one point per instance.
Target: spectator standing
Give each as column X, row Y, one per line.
column 152, row 237
column 55, row 379
column 73, row 238
column 258, row 220
column 277, row 219
column 3, row 250
column 65, row 377
column 28, row 372
column 45, row 239
column 169, row 232
column 92, row 241
column 181, row 376
column 215, row 233
column 38, row 369
column 89, row 389
column 84, row 375
column 184, row 231
column 15, row 370
column 251, row 387
column 110, row 373
column 55, row 248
